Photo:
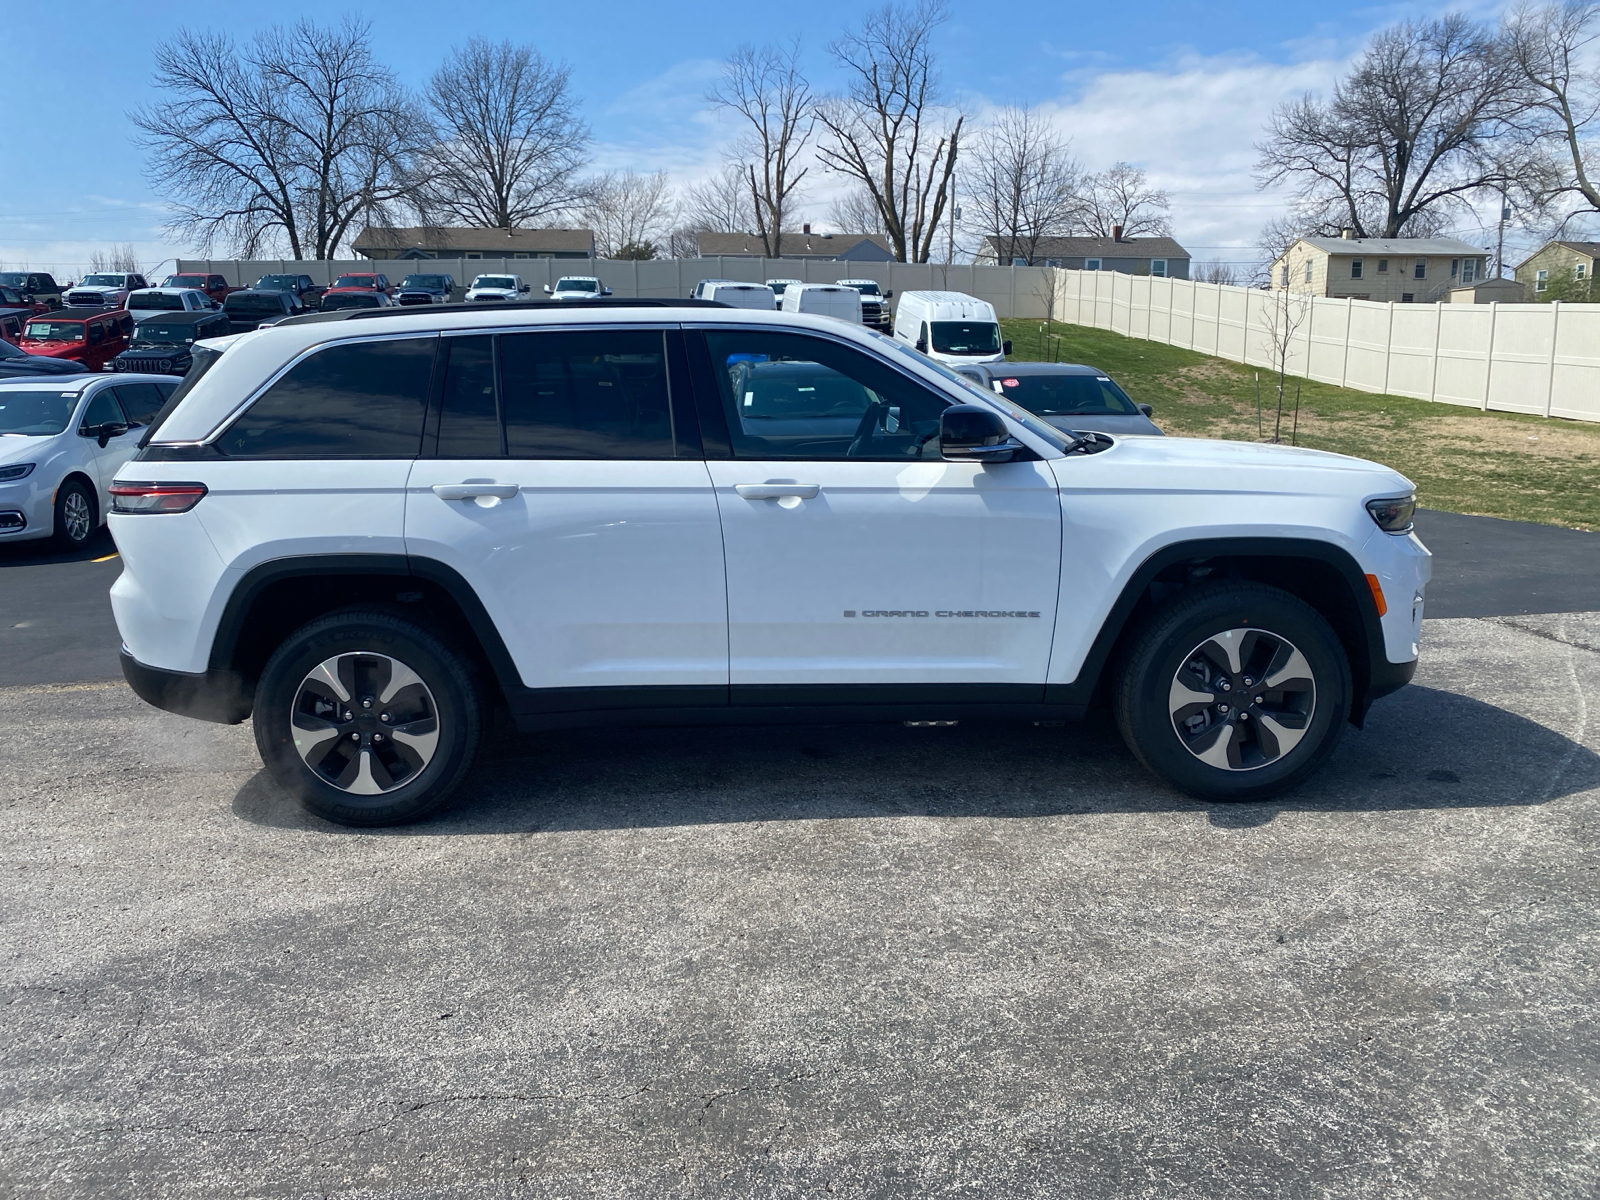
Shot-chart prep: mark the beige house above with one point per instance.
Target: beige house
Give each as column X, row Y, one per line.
column 1556, row 261
column 390, row 242
column 1402, row 270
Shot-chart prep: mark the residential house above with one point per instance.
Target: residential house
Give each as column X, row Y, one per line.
column 1160, row 256
column 1401, row 270
column 423, row 242
column 1570, row 266
column 853, row 247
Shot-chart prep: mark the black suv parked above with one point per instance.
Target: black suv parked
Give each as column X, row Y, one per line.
column 164, row 345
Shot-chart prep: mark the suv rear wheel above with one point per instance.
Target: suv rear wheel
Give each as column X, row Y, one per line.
column 367, row 718
column 1234, row 692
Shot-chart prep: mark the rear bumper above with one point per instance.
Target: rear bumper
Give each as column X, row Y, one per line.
column 220, row 696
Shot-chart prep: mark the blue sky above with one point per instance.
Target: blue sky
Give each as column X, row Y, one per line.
column 1180, row 87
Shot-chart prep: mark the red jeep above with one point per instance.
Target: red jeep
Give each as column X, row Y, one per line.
column 364, row 279
column 90, row 336
column 214, row 286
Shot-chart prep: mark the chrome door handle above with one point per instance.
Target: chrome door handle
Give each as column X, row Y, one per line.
column 776, row 491
column 471, row 491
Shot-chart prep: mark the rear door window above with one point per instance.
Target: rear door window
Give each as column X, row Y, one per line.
column 586, row 394
column 357, row 400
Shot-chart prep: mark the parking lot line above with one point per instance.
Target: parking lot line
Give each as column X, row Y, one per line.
column 105, row 558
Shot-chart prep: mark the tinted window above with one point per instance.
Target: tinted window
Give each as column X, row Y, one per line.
column 363, row 400
column 140, row 401
column 157, row 300
column 1065, row 395
column 469, row 421
column 258, row 303
column 966, row 337
column 586, row 394
column 35, row 414
column 787, row 395
column 103, row 410
column 333, row 303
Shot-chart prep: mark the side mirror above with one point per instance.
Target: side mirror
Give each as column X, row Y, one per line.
column 605, row 291
column 972, row 433
column 1146, row 409
column 1005, row 347
column 111, row 429
column 922, row 345
column 528, row 287
column 889, row 295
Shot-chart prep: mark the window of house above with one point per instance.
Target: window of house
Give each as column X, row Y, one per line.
column 598, row 393
column 1421, row 269
column 1285, row 282
column 1469, row 270
column 1158, row 267
column 1580, row 270
column 1455, row 267
column 470, row 254
column 1383, row 266
column 1355, row 268
column 1018, row 261
column 1407, row 298
column 1052, row 262
column 1308, row 270
column 1091, row 264
column 519, row 256
column 1541, row 280
column 358, row 400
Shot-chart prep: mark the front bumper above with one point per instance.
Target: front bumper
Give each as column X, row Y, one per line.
column 212, row 695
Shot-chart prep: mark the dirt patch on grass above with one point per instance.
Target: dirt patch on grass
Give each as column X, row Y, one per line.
column 1546, row 440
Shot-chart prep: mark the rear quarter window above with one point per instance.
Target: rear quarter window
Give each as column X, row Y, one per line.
column 358, row 400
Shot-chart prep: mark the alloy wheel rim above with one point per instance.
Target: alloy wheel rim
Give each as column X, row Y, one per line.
column 1242, row 699
column 75, row 516
column 364, row 723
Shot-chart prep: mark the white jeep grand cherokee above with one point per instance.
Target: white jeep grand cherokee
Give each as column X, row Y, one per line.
column 369, row 528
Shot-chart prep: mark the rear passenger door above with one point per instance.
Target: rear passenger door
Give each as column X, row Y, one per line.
column 563, row 480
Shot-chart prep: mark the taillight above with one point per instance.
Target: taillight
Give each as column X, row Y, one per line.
column 155, row 497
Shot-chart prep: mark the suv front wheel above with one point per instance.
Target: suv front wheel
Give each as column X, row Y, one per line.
column 1234, row 691
column 367, row 718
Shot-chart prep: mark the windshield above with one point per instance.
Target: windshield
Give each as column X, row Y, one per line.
column 966, row 337
column 578, row 285
column 244, row 302
column 278, row 283
column 866, row 289
column 1048, row 434
column 366, row 281
column 156, row 332
column 157, row 301
column 185, row 281
column 115, row 281
column 1067, row 395
column 495, row 281
column 35, row 414
column 424, row 281
column 54, row 331
column 349, row 300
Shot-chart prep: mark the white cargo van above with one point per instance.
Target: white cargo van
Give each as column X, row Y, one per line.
column 950, row 327
column 741, row 295
column 823, row 299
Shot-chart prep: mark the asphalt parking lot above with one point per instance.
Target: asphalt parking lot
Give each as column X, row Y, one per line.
column 983, row 961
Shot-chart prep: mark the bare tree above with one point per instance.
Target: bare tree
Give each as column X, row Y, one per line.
column 719, row 204
column 1216, row 271
column 767, row 88
column 855, row 211
column 629, row 213
column 1412, row 132
column 1122, row 196
column 293, row 141
column 121, row 257
column 1279, row 322
column 510, row 145
column 1553, row 49
column 1021, row 184
column 888, row 130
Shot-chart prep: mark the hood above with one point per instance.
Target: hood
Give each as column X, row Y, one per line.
column 1204, row 465
column 56, row 349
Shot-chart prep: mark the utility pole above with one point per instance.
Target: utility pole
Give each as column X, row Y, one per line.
column 1500, row 244
column 955, row 216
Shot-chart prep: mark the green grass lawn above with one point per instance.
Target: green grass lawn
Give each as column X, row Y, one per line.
column 1461, row 459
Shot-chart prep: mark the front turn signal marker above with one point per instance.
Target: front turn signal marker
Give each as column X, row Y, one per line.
column 1377, row 595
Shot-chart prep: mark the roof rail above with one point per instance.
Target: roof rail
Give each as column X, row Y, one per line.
column 357, row 314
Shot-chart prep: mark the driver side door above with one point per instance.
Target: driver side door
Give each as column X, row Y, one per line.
column 861, row 566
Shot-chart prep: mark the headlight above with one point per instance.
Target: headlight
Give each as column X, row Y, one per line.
column 1393, row 516
column 15, row 472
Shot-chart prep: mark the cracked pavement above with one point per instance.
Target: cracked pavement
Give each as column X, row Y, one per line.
column 885, row 962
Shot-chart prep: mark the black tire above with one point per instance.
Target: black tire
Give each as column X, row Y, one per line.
column 77, row 515
column 1223, row 637
column 365, row 646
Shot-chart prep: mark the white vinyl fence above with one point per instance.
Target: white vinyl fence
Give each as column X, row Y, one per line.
column 1526, row 358
column 1014, row 291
